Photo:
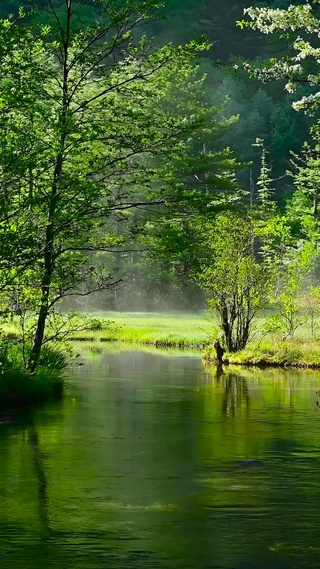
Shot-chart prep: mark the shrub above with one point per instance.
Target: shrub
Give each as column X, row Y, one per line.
column 95, row 324
column 18, row 386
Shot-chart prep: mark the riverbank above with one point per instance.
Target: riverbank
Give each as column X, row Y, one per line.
column 297, row 352
column 20, row 388
column 185, row 330
column 188, row 331
column 153, row 330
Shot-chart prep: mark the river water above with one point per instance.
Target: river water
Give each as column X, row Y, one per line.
column 152, row 461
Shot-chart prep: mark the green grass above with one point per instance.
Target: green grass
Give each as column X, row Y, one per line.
column 294, row 352
column 195, row 331
column 167, row 329
column 18, row 387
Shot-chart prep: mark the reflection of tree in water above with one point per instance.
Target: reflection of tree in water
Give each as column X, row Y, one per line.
column 39, row 469
column 236, row 394
column 219, row 373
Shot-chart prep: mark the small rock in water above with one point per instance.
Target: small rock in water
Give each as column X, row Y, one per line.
column 250, row 462
column 5, row 418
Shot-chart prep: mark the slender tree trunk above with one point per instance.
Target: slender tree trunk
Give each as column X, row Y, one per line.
column 49, row 255
column 44, row 302
column 315, row 207
column 48, row 268
column 226, row 327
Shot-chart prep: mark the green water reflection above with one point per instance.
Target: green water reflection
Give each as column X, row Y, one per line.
column 152, row 461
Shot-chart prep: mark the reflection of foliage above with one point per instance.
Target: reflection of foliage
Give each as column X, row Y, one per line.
column 236, row 395
column 184, row 455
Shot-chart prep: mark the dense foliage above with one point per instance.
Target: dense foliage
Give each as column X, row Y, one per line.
column 127, row 136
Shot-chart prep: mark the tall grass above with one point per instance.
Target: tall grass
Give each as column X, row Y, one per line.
column 19, row 387
column 167, row 329
column 183, row 330
column 276, row 352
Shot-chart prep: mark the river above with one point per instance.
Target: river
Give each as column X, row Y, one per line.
column 152, row 461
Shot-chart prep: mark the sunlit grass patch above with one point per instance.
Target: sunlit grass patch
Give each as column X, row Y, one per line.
column 276, row 352
column 171, row 329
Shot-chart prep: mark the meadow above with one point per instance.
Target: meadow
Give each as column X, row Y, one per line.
column 199, row 331
column 186, row 330
column 178, row 329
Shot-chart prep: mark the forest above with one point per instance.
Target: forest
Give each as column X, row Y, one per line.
column 154, row 157
column 159, row 284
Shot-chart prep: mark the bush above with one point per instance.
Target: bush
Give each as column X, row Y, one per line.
column 95, row 324
column 18, row 386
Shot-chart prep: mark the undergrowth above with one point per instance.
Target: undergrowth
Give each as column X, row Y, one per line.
column 18, row 386
column 274, row 352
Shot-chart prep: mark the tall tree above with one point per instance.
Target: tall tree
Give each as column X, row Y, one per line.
column 88, row 101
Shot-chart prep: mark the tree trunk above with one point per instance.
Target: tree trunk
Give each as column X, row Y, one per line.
column 226, row 327
column 315, row 207
column 48, row 266
column 44, row 302
column 48, row 258
column 219, row 351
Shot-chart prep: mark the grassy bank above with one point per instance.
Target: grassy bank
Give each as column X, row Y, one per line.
column 19, row 388
column 155, row 329
column 184, row 330
column 296, row 352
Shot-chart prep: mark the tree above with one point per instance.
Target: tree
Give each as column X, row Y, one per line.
column 88, row 101
column 238, row 287
column 297, row 298
column 300, row 64
column 202, row 177
column 306, row 173
column 265, row 191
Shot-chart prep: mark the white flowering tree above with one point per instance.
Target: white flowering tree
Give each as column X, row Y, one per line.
column 301, row 64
